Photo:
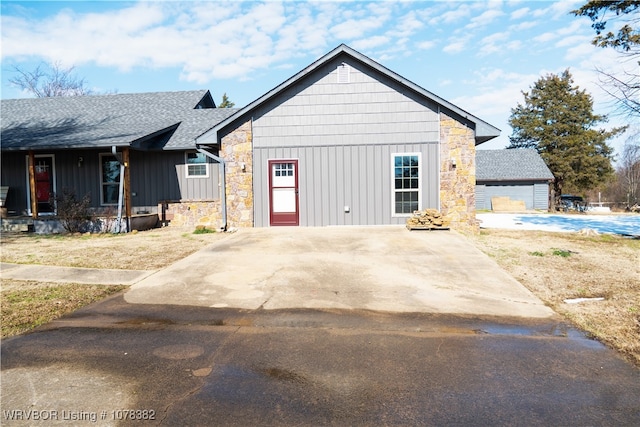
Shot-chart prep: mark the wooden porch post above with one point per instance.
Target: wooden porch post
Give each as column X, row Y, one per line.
column 32, row 185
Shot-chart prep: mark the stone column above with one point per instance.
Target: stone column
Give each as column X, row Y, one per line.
column 458, row 183
column 237, row 151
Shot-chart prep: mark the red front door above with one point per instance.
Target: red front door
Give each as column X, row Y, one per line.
column 44, row 184
column 283, row 192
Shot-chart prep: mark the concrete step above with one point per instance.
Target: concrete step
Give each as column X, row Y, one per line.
column 16, row 224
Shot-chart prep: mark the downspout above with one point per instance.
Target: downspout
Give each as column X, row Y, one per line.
column 223, row 187
column 120, row 189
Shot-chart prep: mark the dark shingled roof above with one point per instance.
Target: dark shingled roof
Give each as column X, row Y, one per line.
column 511, row 165
column 170, row 118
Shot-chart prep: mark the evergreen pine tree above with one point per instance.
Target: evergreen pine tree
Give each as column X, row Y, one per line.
column 557, row 119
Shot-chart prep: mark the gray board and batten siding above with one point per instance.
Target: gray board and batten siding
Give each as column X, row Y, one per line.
column 162, row 177
column 344, row 134
column 155, row 176
column 157, row 127
column 534, row 194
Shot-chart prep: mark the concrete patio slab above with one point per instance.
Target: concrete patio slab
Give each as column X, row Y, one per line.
column 374, row 268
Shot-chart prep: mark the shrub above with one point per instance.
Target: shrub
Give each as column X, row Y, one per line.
column 75, row 215
column 201, row 229
column 562, row 253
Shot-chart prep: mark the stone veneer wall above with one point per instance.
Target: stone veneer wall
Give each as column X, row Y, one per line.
column 192, row 213
column 237, row 149
column 458, row 185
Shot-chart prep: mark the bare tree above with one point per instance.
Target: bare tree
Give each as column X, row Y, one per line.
column 624, row 89
column 48, row 80
column 617, row 26
column 630, row 170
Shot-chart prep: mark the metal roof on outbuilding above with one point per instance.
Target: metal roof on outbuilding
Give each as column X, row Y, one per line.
column 511, row 165
column 108, row 120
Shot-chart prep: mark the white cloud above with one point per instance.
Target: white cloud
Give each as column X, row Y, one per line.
column 489, row 45
column 67, row 36
column 484, row 18
column 495, row 37
column 514, row 45
column 370, row 42
column 454, row 47
column 354, row 28
column 407, row 25
column 545, row 37
column 571, row 36
column 575, row 40
column 207, row 40
column 498, row 91
column 452, row 16
column 558, row 9
column 573, row 28
column 498, row 43
column 520, row 13
column 524, row 26
column 425, row 45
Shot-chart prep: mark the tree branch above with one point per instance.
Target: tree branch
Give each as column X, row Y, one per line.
column 50, row 80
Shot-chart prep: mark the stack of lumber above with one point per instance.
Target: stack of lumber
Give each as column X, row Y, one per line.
column 428, row 219
column 505, row 204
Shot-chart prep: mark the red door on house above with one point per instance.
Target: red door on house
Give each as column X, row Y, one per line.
column 44, row 184
column 283, row 192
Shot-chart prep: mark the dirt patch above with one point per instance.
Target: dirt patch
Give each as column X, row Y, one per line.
column 560, row 266
column 145, row 250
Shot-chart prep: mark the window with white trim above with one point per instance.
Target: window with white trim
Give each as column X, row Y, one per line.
column 406, row 183
column 196, row 165
column 110, row 179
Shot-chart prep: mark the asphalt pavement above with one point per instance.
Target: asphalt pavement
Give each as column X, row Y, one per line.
column 223, row 345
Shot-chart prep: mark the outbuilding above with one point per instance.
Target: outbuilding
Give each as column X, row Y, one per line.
column 519, row 174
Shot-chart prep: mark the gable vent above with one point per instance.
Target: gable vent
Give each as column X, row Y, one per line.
column 343, row 73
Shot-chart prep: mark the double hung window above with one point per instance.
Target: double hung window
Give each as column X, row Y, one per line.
column 406, row 183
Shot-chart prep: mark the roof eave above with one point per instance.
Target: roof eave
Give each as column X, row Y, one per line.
column 512, row 179
column 63, row 147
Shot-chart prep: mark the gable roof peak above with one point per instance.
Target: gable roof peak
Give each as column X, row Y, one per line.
column 483, row 130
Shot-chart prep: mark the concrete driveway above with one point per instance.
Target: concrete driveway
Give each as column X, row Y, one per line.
column 159, row 355
column 375, row 268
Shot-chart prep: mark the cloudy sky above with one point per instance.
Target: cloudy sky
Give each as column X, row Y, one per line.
column 480, row 55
